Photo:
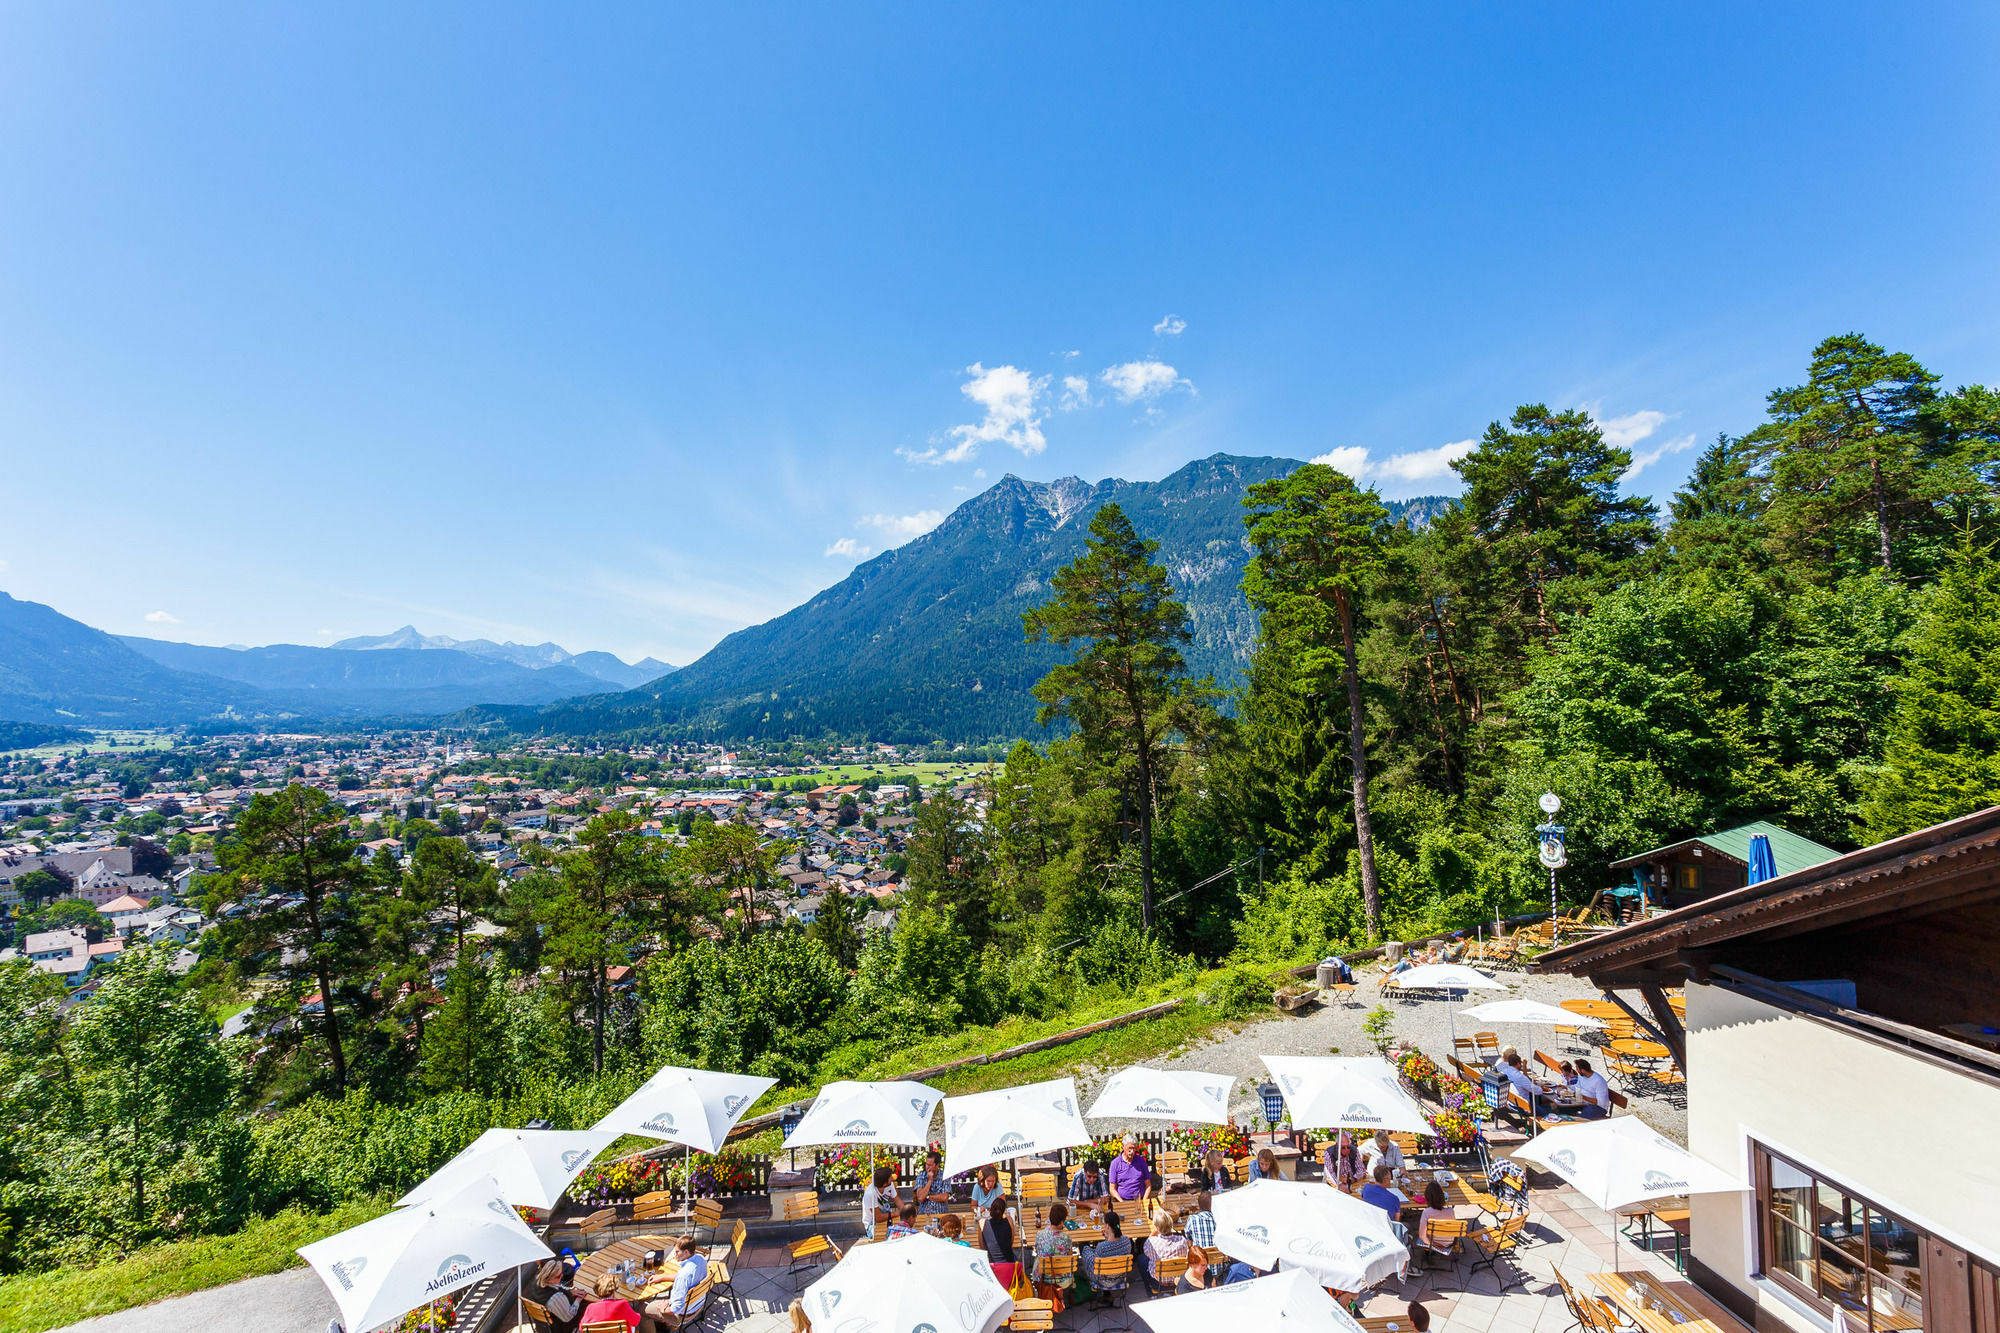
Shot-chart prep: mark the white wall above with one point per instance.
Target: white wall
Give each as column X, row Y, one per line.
column 1909, row 1135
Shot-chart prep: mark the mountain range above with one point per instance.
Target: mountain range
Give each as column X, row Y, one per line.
column 57, row 670
column 925, row 641
column 919, row 643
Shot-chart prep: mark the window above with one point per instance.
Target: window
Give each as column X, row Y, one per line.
column 1822, row 1242
column 1687, row 878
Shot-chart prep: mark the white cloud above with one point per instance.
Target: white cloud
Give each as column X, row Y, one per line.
column 901, row 527
column 1425, row 464
column 1075, row 394
column 161, row 618
column 1352, row 460
column 1642, row 461
column 1626, row 431
column 324, row 633
column 1134, row 381
column 3, row 566
column 1173, row 326
column 848, row 548
column 979, row 473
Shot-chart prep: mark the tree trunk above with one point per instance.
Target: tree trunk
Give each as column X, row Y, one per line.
column 138, row 1189
column 331, row 1027
column 1881, row 516
column 1364, row 833
column 597, row 1017
column 1145, row 811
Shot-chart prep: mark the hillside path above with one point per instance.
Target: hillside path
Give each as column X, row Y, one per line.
column 294, row 1301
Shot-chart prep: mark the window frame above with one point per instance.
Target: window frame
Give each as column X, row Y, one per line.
column 1768, row 1220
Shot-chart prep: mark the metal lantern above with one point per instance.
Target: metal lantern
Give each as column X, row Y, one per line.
column 1274, row 1106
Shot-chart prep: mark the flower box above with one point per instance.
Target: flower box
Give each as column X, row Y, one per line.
column 1291, row 999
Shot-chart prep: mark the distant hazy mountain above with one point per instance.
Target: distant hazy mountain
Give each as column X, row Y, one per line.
column 536, row 657
column 925, row 640
column 54, row 669
column 387, row 682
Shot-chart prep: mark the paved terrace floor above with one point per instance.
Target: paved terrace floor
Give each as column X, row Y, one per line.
column 1566, row 1232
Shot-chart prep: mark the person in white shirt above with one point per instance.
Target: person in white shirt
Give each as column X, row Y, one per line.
column 1596, row 1093
column 1510, row 1066
column 1381, row 1150
column 563, row 1305
column 879, row 1202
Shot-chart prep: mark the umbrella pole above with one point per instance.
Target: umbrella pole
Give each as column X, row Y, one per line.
column 687, row 1184
column 518, row 1309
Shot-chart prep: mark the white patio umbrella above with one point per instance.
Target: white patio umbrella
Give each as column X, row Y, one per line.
column 1446, row 977
column 1336, row 1239
column 1529, row 1011
column 1290, row 1300
column 1618, row 1162
column 695, row 1108
column 1141, row 1093
column 381, row 1270
column 531, row 1166
column 914, row 1282
column 1013, row 1122
column 851, row 1112
column 1348, row 1092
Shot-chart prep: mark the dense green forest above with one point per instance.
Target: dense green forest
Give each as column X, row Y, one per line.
column 1808, row 632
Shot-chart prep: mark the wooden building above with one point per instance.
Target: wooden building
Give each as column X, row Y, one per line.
column 1842, row 1052
column 1696, row 868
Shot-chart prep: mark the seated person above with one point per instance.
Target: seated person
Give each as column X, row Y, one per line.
column 1435, row 1210
column 1264, row 1166
column 1195, row 1278
column 609, row 1306
column 1052, row 1240
column 1341, row 1162
column 953, row 1230
column 997, row 1236
column 1518, row 1078
column 1114, row 1243
column 1420, row 1318
column 1131, row 1175
column 879, row 1202
column 905, row 1223
column 1379, row 1192
column 931, row 1192
column 1200, row 1225
column 1088, row 1183
column 1164, row 1243
column 1381, row 1150
column 680, row 1307
column 1596, row 1093
column 986, row 1190
column 1213, row 1173
column 564, row 1304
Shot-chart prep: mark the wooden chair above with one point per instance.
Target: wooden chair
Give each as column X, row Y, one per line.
column 1109, row 1268
column 1464, row 1048
column 701, row 1301
column 1173, row 1169
column 1549, row 1062
column 1168, row 1272
column 1490, row 1204
column 1496, row 1241
column 1487, row 1044
column 1453, row 1235
column 739, row 1235
column 805, row 1208
column 1039, row 1188
column 1029, row 1314
column 719, row 1259
column 1344, row 990
column 650, row 1207
column 1585, row 1312
column 706, row 1216
column 1052, row 1268
column 1619, row 1101
column 605, row 1326
column 1572, row 1036
column 601, row 1220
column 538, row 1314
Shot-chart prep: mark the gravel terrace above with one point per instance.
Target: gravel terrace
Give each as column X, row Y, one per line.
column 1335, row 1029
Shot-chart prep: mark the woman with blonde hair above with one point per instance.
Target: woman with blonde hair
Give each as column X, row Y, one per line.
column 800, row 1324
column 1165, row 1243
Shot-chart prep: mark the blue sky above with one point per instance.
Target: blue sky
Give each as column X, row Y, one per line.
column 630, row 326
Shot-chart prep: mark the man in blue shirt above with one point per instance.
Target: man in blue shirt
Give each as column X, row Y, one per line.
column 1379, row 1193
column 1200, row 1227
column 1087, row 1183
column 692, row 1273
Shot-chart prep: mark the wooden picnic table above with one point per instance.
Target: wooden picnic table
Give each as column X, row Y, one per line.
column 1594, row 1008
column 654, row 1282
column 1654, row 1307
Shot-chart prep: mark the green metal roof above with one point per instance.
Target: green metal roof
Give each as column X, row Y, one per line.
column 1788, row 849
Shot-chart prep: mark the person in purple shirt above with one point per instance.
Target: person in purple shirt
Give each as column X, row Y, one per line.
column 1131, row 1175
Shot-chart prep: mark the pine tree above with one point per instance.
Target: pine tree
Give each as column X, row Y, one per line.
column 464, row 1044
column 1317, row 543
column 1942, row 757
column 837, row 926
column 1126, row 689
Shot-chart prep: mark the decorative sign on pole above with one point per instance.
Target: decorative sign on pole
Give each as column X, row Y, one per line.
column 1274, row 1106
column 1553, row 854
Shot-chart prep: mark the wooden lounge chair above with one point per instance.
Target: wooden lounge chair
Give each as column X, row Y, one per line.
column 805, row 1208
